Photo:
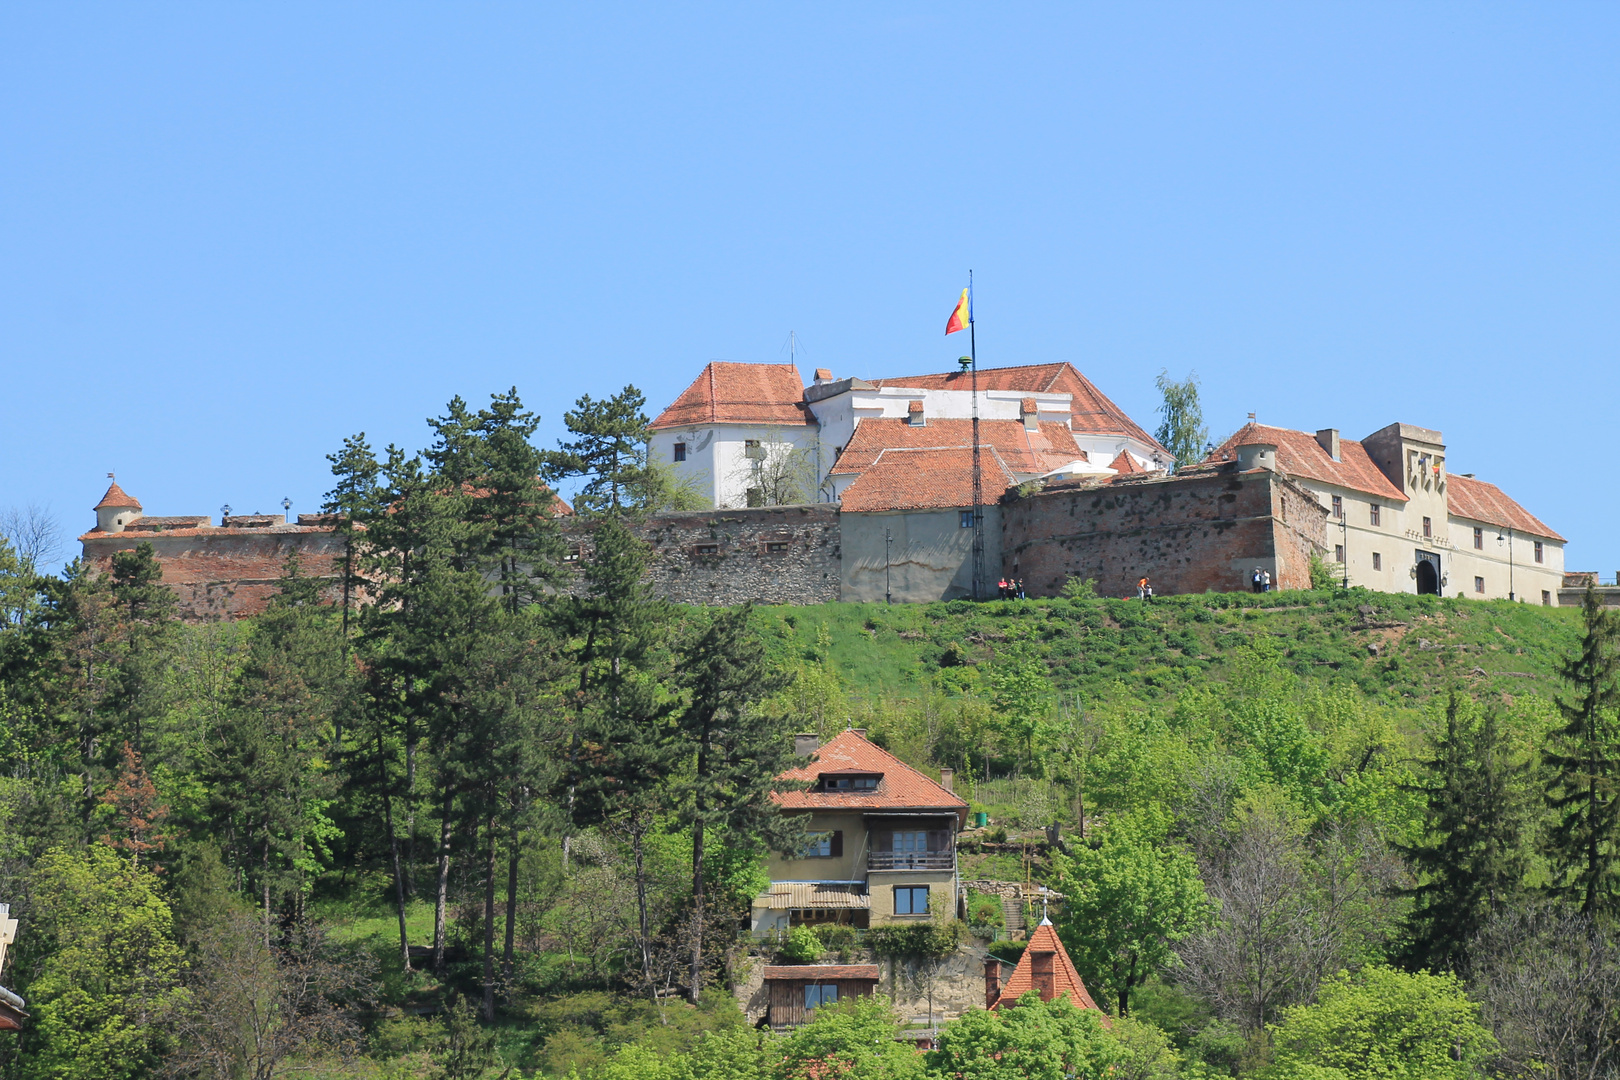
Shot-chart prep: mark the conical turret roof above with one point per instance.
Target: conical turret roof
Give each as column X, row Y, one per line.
column 1065, row 979
column 116, row 496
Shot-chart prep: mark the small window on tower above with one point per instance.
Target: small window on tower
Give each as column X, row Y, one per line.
column 1479, row 585
column 1538, row 551
column 1428, row 529
column 1378, row 561
column 1338, row 553
column 1338, row 506
column 680, row 451
column 1479, row 539
column 1373, row 514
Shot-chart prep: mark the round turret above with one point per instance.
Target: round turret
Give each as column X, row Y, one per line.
column 116, row 509
column 1257, row 456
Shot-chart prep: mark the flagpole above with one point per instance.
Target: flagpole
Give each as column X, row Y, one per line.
column 978, row 475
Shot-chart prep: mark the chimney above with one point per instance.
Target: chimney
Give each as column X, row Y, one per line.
column 805, row 745
column 992, row 980
column 823, row 376
column 1041, row 974
column 859, row 731
column 1329, row 438
column 947, row 780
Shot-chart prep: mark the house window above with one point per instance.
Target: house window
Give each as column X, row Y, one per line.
column 572, row 554
column 966, row 520
column 1479, row 585
column 1538, row 551
column 1479, row 538
column 1338, row 506
column 818, row 994
column 911, row 899
column 680, row 451
column 911, row 841
column 1338, row 553
column 776, row 547
column 1378, row 561
column 752, row 450
column 823, row 845
column 1428, row 529
column 1546, row 598
column 1373, row 514
column 705, row 549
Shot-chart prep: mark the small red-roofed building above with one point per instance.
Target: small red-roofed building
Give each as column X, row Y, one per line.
column 882, row 841
column 1045, row 968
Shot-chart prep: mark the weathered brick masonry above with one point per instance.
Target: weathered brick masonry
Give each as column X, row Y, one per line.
column 771, row 555
column 228, row 572
column 1188, row 533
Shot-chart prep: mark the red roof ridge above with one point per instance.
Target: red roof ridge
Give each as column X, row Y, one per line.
column 728, row 391
column 1481, row 500
column 1124, row 464
column 116, row 496
column 903, row 787
column 1299, row 454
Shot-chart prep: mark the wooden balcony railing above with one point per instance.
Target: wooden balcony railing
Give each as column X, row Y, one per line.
column 911, row 860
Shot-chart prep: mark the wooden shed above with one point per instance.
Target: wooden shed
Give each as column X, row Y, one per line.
column 797, row 989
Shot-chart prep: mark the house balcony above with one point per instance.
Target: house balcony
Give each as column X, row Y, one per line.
column 911, row 860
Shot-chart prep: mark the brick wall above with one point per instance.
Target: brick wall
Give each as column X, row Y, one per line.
column 1189, row 533
column 770, row 555
column 225, row 573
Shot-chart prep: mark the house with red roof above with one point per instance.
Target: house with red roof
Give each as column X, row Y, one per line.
column 881, row 847
column 1400, row 520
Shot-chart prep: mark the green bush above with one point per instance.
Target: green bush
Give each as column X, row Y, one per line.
column 924, row 939
column 984, row 911
column 1008, row 952
column 802, row 946
column 836, row 935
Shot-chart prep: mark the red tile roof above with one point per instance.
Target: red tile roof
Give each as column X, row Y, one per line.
column 1124, row 464
column 1299, row 454
column 1090, row 410
column 116, row 497
column 902, row 787
column 740, row 394
column 821, row 972
column 1022, row 450
column 1478, row 501
column 932, row 479
column 1065, row 979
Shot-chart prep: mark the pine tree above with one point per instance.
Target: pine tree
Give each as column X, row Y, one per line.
column 1584, row 760
column 611, row 449
column 145, row 610
column 740, row 749
column 1470, row 862
column 354, row 500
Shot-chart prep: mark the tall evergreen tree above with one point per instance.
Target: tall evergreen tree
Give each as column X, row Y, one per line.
column 1182, row 431
column 1584, row 760
column 355, row 500
column 610, row 448
column 1470, row 862
column 145, row 611
column 739, row 748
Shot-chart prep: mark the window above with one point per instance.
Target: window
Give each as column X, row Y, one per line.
column 1538, row 551
column 1338, row 506
column 752, row 450
column 911, row 841
column 1373, row 514
column 680, row 451
column 1546, row 598
column 823, row 845
column 967, row 519
column 1479, row 585
column 705, row 549
column 1338, row 553
column 572, row 554
column 1479, row 538
column 850, row 783
column 1378, row 561
column 817, row 994
column 1428, row 529
column 911, row 899
column 776, row 547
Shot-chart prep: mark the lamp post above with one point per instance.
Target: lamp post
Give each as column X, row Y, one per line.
column 286, row 507
column 224, row 512
column 888, row 542
column 1509, row 538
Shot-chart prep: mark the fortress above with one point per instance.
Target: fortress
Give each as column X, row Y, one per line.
column 852, row 489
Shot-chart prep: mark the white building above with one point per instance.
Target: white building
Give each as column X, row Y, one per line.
column 1400, row 521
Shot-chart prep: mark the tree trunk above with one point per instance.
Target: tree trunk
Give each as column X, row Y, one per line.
column 697, row 908
column 511, row 902
column 641, row 908
column 264, row 883
column 444, row 884
column 489, row 918
column 410, row 810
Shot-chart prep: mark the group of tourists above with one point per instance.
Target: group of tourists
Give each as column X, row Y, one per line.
column 1261, row 580
column 1011, row 588
column 1144, row 590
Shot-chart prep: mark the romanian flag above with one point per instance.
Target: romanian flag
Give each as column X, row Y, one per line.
column 961, row 317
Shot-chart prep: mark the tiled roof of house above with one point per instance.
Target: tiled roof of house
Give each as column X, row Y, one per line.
column 821, row 972
column 1123, row 464
column 1478, row 501
column 1022, row 451
column 1299, row 454
column 1065, row 979
column 1090, row 410
column 726, row 392
column 931, row 479
column 902, row 787
column 116, row 496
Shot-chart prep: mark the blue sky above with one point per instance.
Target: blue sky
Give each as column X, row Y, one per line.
column 235, row 233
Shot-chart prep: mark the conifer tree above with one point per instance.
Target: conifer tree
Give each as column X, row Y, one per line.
column 1584, row 761
column 355, row 500
column 610, row 447
column 145, row 611
column 739, row 748
column 1470, row 862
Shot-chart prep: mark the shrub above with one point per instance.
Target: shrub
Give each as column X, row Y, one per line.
column 984, row 911
column 836, row 935
column 802, row 946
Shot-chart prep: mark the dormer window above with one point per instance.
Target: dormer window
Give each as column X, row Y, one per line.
column 914, row 414
column 850, row 781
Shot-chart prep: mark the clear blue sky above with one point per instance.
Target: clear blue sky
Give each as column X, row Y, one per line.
column 235, row 233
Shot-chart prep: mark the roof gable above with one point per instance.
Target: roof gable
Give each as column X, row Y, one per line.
column 937, row 478
column 1299, row 454
column 727, row 392
column 1477, row 500
column 1065, row 979
column 902, row 787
